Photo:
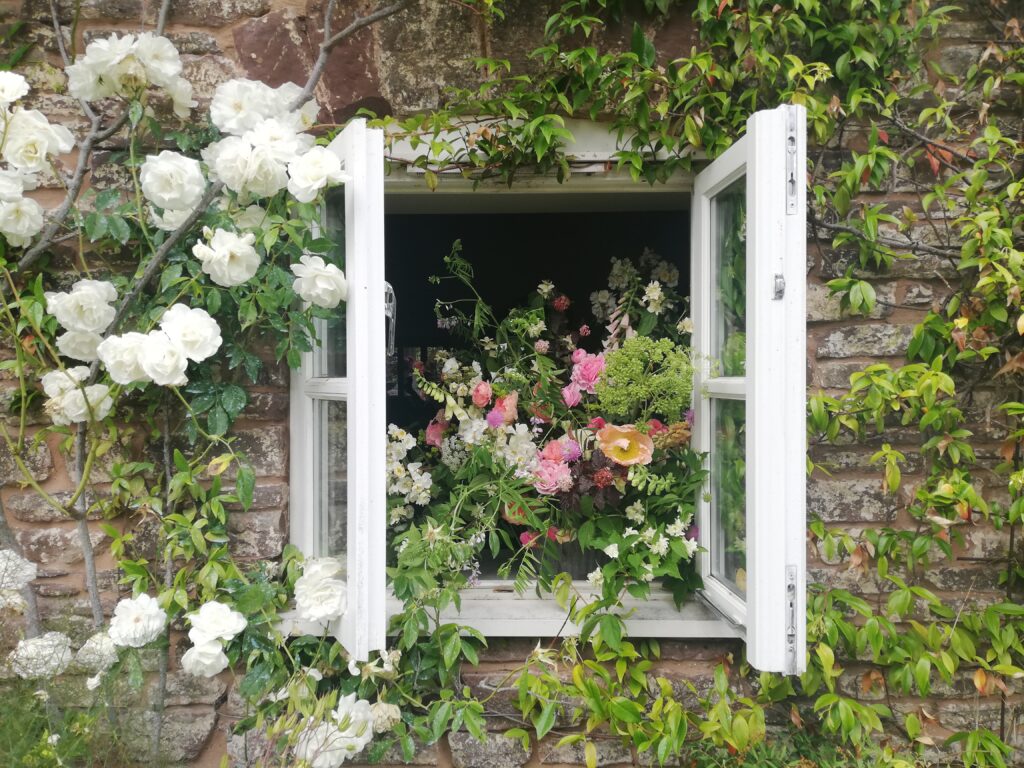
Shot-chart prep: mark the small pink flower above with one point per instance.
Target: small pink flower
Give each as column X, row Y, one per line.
column 552, row 451
column 571, row 450
column 482, row 394
column 655, row 427
column 587, row 370
column 529, row 539
column 552, row 477
column 584, row 330
column 541, row 346
column 571, row 395
column 505, row 410
column 560, row 535
column 561, row 303
column 495, row 418
column 435, row 430
column 578, row 355
column 597, row 423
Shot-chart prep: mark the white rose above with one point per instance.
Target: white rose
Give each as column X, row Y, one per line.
column 251, row 218
column 239, row 105
column 44, row 656
column 85, row 83
column 321, row 745
column 120, row 355
column 170, row 180
column 205, row 659
column 305, row 117
column 355, row 721
column 31, row 140
column 160, row 58
column 79, row 405
column 319, row 594
column 385, row 716
column 107, row 52
column 180, row 91
column 319, row 283
column 311, row 172
column 137, row 621
column 85, row 308
column 279, row 138
column 266, row 174
column 193, row 330
column 14, row 182
column 56, row 383
column 228, row 160
column 12, row 87
column 169, row 220
column 229, row 259
column 16, row 572
column 215, row 621
column 79, row 345
column 20, row 220
column 163, row 361
column 98, row 653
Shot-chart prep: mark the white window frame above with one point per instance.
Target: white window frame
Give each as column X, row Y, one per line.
column 362, row 628
column 771, row 155
column 775, row 361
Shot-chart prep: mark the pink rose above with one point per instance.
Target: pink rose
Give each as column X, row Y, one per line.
column 571, row 395
column 578, row 355
column 552, row 451
column 435, row 430
column 552, row 477
column 587, row 370
column 656, row 427
column 584, row 330
column 505, row 410
column 597, row 423
column 482, row 394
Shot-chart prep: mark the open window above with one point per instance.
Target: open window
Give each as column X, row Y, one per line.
column 746, row 257
column 338, row 428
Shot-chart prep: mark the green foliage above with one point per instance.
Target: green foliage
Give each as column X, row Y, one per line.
column 644, row 378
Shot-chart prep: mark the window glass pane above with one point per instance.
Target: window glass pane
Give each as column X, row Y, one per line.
column 728, row 495
column 333, row 475
column 728, row 232
column 332, row 330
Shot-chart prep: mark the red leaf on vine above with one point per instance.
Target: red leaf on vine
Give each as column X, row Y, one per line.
column 721, row 7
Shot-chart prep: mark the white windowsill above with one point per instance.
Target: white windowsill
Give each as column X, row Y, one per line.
column 494, row 609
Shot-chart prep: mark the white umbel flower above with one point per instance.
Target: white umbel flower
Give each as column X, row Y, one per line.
column 137, row 621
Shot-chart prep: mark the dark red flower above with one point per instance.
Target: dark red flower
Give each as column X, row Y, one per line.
column 655, row 427
column 561, row 303
column 604, row 477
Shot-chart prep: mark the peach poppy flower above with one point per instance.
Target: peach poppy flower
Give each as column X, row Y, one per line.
column 625, row 445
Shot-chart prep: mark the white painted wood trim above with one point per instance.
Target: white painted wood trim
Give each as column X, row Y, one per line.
column 495, row 610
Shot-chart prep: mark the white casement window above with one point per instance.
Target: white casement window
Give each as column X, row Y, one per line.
column 747, row 261
column 338, row 429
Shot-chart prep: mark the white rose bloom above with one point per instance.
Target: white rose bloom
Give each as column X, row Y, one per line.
column 56, row 383
column 228, row 161
column 385, row 716
column 79, row 345
column 204, row 659
column 14, row 182
column 12, row 87
column 20, row 220
column 311, row 172
column 31, row 140
column 251, row 218
column 169, row 220
column 305, row 117
column 16, row 572
column 239, row 105
column 229, row 259
column 321, row 745
column 279, row 138
column 160, row 58
column 180, row 91
column 172, row 181
column 355, row 721
column 266, row 174
column 120, row 355
column 44, row 656
column 98, row 653
column 85, row 308
column 163, row 361
column 77, row 405
column 137, row 621
column 319, row 283
column 85, row 83
column 320, row 593
column 215, row 621
column 193, row 330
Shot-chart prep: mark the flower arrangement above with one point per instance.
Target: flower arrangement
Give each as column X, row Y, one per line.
column 552, row 439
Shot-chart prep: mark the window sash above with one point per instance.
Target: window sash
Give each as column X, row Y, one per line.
column 772, row 158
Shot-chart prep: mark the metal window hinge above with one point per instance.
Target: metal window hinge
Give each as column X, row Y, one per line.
column 779, row 289
column 792, row 172
column 391, row 314
column 791, row 601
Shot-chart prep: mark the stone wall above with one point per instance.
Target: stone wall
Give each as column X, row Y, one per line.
column 402, row 66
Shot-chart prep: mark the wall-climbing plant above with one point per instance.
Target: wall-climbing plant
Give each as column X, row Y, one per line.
column 947, row 141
